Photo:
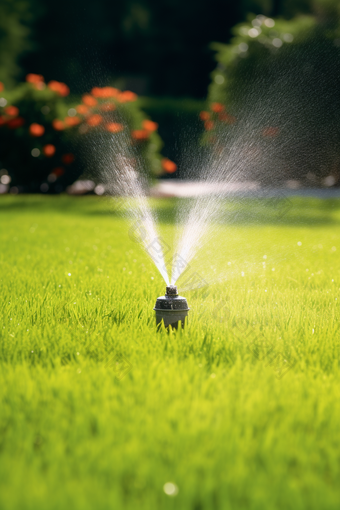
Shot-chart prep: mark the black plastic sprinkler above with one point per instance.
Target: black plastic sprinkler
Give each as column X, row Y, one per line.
column 172, row 309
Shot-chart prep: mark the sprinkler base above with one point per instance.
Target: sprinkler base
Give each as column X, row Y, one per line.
column 174, row 320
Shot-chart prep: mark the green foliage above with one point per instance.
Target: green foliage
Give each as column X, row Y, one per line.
column 140, row 44
column 256, row 51
column 15, row 36
column 177, row 119
column 128, row 43
column 280, row 80
column 197, row 408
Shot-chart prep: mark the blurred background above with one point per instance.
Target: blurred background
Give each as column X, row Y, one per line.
column 178, row 57
column 153, row 48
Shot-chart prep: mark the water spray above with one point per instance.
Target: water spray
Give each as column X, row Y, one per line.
column 171, row 308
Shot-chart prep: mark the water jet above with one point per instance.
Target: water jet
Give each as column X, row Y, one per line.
column 171, row 308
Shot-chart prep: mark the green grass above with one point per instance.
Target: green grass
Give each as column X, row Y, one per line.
column 241, row 410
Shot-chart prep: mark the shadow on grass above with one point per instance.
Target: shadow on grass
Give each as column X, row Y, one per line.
column 54, row 203
column 252, row 211
column 296, row 211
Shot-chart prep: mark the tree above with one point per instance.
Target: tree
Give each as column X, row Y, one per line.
column 16, row 18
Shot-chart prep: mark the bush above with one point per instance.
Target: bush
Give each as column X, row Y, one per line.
column 44, row 134
column 178, row 119
column 276, row 85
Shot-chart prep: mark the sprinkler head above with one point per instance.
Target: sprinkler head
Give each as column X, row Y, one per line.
column 171, row 290
column 172, row 309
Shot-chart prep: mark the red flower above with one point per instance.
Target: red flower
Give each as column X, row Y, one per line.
column 104, row 92
column 89, row 100
column 72, row 121
column 108, row 107
column 217, row 107
column 34, row 78
column 149, row 125
column 49, row 150
column 110, row 92
column 96, row 92
column 12, row 111
column 225, row 117
column 58, row 87
column 140, row 134
column 16, row 123
column 270, row 132
column 39, row 86
column 208, row 125
column 94, row 120
column 114, row 127
column 82, row 109
column 127, row 96
column 204, row 115
column 3, row 120
column 58, row 125
column 169, row 166
column 53, row 85
column 58, row 171
column 36, row 129
column 67, row 159
column 1, row 86
column 64, row 90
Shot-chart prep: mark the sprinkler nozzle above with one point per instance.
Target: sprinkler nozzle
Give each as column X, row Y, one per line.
column 171, row 290
column 172, row 309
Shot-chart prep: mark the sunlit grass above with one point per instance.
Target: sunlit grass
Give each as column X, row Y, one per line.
column 241, row 410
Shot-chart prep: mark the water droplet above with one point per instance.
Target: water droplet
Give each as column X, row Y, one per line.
column 35, row 152
column 170, row 489
column 277, row 42
column 254, row 32
column 5, row 179
column 243, row 47
column 288, row 37
column 269, row 22
column 219, row 79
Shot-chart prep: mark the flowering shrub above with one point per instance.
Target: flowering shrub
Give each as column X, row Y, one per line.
column 276, row 85
column 215, row 117
column 254, row 58
column 107, row 112
column 40, row 131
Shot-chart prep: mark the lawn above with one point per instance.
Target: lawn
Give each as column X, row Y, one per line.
column 98, row 410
